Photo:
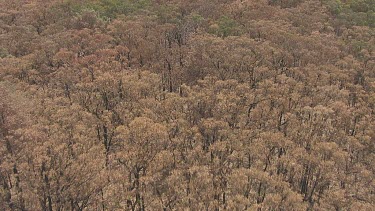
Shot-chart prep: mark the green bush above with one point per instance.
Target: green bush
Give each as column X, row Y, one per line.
column 3, row 53
column 108, row 8
column 225, row 27
column 356, row 12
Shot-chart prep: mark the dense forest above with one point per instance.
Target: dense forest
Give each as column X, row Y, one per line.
column 187, row 105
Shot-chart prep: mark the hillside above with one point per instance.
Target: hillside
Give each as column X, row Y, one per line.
column 187, row 105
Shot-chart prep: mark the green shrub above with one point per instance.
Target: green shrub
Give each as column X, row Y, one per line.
column 225, row 27
column 356, row 12
column 108, row 8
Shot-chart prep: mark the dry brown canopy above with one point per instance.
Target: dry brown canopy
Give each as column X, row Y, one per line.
column 186, row 105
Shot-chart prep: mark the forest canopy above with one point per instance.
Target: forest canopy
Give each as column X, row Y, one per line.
column 187, row 105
